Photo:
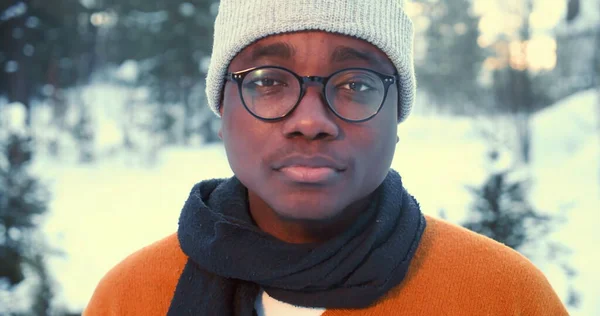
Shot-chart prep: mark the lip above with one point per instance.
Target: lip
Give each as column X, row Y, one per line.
column 310, row 162
column 310, row 170
column 303, row 174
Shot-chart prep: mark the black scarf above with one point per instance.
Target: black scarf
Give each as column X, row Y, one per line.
column 230, row 258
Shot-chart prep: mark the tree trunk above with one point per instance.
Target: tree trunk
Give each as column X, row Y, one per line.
column 524, row 137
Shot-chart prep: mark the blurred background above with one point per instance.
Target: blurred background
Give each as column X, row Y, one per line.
column 104, row 130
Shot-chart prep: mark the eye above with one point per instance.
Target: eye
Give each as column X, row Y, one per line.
column 356, row 86
column 267, row 82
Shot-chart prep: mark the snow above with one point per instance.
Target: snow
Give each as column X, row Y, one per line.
column 12, row 117
column 28, row 50
column 89, row 4
column 567, row 169
column 564, row 127
column 437, row 157
column 13, row 11
column 103, row 212
column 11, row 66
column 187, row 9
column 32, row 22
column 128, row 71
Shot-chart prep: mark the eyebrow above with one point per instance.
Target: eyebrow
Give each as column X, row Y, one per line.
column 285, row 51
column 345, row 53
column 278, row 50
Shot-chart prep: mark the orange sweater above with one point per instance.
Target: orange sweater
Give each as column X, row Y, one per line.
column 454, row 272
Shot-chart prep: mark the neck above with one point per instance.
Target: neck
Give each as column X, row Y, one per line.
column 298, row 231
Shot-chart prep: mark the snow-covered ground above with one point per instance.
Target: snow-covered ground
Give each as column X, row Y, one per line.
column 566, row 166
column 100, row 213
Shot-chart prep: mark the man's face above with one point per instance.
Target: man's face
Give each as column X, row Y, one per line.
column 310, row 165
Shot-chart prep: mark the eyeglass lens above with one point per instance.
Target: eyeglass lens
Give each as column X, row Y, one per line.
column 352, row 94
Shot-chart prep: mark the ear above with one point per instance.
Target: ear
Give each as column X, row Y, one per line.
column 220, row 133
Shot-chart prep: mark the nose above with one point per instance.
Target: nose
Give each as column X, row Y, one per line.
column 311, row 119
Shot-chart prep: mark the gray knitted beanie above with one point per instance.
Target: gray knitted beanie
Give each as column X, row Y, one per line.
column 382, row 23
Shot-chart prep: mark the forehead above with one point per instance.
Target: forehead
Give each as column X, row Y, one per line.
column 299, row 47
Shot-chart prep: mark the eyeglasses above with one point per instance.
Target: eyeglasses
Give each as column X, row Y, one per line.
column 271, row 93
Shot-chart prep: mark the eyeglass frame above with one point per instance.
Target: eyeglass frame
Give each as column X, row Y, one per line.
column 239, row 76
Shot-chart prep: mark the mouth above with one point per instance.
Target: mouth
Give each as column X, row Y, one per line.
column 310, row 170
column 312, row 175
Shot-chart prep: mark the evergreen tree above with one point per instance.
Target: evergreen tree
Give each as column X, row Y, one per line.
column 501, row 211
column 452, row 62
column 513, row 88
column 23, row 201
column 43, row 293
column 573, row 9
column 578, row 51
column 50, row 45
column 172, row 41
column 45, row 46
column 83, row 133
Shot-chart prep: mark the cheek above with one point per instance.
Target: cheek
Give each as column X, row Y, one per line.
column 387, row 122
column 234, row 140
column 389, row 128
column 234, row 120
column 243, row 136
column 380, row 144
column 378, row 140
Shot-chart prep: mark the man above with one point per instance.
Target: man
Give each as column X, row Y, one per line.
column 314, row 221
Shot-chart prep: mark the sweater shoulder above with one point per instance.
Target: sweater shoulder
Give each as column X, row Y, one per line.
column 143, row 282
column 481, row 272
column 464, row 247
column 458, row 243
column 459, row 247
column 458, row 272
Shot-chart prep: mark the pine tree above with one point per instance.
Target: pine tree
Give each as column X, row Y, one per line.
column 83, row 132
column 20, row 204
column 43, row 293
column 23, row 201
column 172, row 40
column 450, row 69
column 578, row 52
column 502, row 211
column 44, row 44
column 513, row 88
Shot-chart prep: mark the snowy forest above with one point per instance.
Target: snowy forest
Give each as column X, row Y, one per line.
column 104, row 129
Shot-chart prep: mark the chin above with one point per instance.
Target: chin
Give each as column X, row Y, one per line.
column 306, row 210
